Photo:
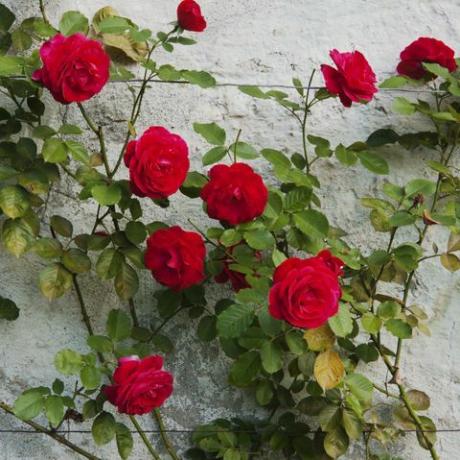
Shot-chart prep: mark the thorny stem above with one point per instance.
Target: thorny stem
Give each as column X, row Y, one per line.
column 138, row 101
column 304, row 123
column 132, row 309
column 43, row 12
column 166, row 440
column 50, row 433
column 144, row 438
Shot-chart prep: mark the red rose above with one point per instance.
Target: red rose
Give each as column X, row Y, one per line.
column 306, row 292
column 234, row 194
column 353, row 80
column 237, row 279
column 158, row 163
column 74, row 68
column 139, row 385
column 176, row 257
column 334, row 263
column 425, row 49
column 189, row 16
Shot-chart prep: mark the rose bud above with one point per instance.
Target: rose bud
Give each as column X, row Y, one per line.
column 425, row 49
column 353, row 80
column 176, row 257
column 234, row 194
column 306, row 292
column 158, row 163
column 75, row 68
column 189, row 16
column 139, row 385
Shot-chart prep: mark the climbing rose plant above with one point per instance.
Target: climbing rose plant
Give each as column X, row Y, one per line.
column 308, row 313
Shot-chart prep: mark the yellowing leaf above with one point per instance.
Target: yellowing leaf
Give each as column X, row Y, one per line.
column 320, row 338
column 329, row 369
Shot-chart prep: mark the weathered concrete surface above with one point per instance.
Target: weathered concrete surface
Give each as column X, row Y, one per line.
column 264, row 41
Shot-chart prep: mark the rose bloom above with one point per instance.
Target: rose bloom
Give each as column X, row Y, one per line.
column 139, row 385
column 234, row 194
column 353, row 80
column 237, row 279
column 189, row 16
column 74, row 68
column 158, row 163
column 306, row 292
column 176, row 257
column 425, row 49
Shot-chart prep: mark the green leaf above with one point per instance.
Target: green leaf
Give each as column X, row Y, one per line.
column 382, row 137
column 17, row 236
column 214, row 155
column 259, row 239
column 72, row 22
column 54, row 281
column 245, row 369
column 402, row 218
column 295, row 342
column 109, row 263
column 54, row 150
column 423, row 186
column 418, row 399
column 118, row 325
column 403, row 106
column 272, row 357
column 7, row 18
column 11, row 66
column 136, row 232
column 360, row 386
column 76, row 261
column 235, row 320
column 312, row 223
column 54, row 409
column 297, row 199
column 193, row 184
column 61, row 226
column 399, row 328
column 7, row 172
column 345, row 156
column 14, row 201
column 90, row 377
column 124, row 440
column 406, row 256
column 373, row 162
column 200, row 78
column 58, row 386
column 69, row 129
column 68, row 362
column 336, row 442
column 104, row 428
column 341, row 323
column 106, row 195
column 100, row 343
column 212, row 132
column 21, row 40
column 264, row 392
column 394, row 82
column 207, row 328
column 244, row 150
column 8, row 309
column 276, row 158
column 352, row 424
column 371, row 323
column 387, row 310
column 126, row 282
column 253, row 91
column 30, row 403
column 78, row 151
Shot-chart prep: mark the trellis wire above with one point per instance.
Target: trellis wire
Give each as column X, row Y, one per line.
column 446, row 430
column 253, row 85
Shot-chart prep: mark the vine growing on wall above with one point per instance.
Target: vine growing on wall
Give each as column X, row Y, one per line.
column 309, row 312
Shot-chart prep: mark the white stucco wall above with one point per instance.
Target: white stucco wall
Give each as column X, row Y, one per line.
column 257, row 41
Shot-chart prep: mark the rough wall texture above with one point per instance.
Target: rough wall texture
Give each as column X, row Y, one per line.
column 263, row 41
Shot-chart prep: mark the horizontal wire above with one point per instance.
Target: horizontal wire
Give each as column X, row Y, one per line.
column 457, row 430
column 253, row 85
